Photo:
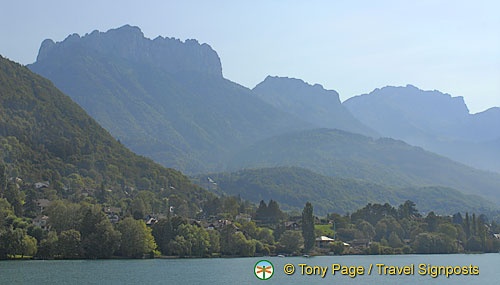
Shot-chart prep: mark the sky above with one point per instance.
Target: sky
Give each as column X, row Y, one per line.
column 351, row 46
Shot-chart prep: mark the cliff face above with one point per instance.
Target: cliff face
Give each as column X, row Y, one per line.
column 433, row 120
column 162, row 98
column 311, row 103
column 169, row 54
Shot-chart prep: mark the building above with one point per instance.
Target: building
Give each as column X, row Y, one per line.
column 245, row 217
column 41, row 222
column 292, row 226
column 41, row 185
column 42, row 204
column 323, row 241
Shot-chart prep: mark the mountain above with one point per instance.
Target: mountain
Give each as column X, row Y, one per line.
column 162, row 98
column 311, row 103
column 291, row 186
column 45, row 136
column 435, row 121
column 383, row 161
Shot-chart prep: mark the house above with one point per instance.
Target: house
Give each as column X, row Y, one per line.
column 149, row 220
column 42, row 204
column 41, row 185
column 112, row 210
column 361, row 243
column 113, row 218
column 194, row 222
column 218, row 224
column 41, row 222
column 323, row 241
column 292, row 226
column 245, row 217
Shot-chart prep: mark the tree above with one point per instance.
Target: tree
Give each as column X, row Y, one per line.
column 366, row 228
column 48, row 246
column 30, row 207
column 102, row 242
column 386, row 226
column 394, row 240
column 308, row 227
column 138, row 209
column 243, row 246
column 275, row 215
column 3, row 179
column 29, row 246
column 197, row 237
column 337, row 247
column 290, row 242
column 433, row 243
column 261, row 213
column 214, row 237
column 448, row 229
column 13, row 242
column 63, row 215
column 227, row 243
column 15, row 198
column 136, row 238
column 69, row 244
column 408, row 210
column 457, row 219
column 265, row 235
column 231, row 206
column 180, row 246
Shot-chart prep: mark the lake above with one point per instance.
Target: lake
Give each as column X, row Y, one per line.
column 241, row 270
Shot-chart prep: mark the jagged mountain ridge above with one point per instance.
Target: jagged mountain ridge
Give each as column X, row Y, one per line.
column 433, row 120
column 169, row 99
column 311, row 103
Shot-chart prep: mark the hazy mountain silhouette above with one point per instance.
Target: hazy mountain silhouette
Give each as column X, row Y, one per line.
column 163, row 98
column 311, row 103
column 291, row 186
column 384, row 161
column 433, row 120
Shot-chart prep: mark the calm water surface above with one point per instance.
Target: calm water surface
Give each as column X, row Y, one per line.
column 239, row 270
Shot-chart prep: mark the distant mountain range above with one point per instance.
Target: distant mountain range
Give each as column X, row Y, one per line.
column 291, row 186
column 45, row 136
column 433, row 120
column 163, row 98
column 385, row 161
column 168, row 100
column 311, row 103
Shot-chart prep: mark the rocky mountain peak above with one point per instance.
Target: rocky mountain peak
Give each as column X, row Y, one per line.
column 129, row 42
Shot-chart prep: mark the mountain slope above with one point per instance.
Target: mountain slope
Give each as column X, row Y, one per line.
column 311, row 103
column 44, row 135
column 169, row 99
column 291, row 186
column 384, row 161
column 432, row 120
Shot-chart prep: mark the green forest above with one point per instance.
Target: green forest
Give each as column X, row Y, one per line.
column 226, row 226
column 291, row 186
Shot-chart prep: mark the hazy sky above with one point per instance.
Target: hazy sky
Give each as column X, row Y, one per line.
column 350, row 46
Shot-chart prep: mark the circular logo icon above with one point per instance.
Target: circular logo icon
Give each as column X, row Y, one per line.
column 263, row 270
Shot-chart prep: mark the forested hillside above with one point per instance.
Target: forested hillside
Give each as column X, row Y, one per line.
column 291, row 186
column 384, row 161
column 44, row 136
column 169, row 99
column 433, row 120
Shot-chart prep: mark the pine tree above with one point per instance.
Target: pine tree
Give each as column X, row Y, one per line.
column 3, row 179
column 308, row 227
